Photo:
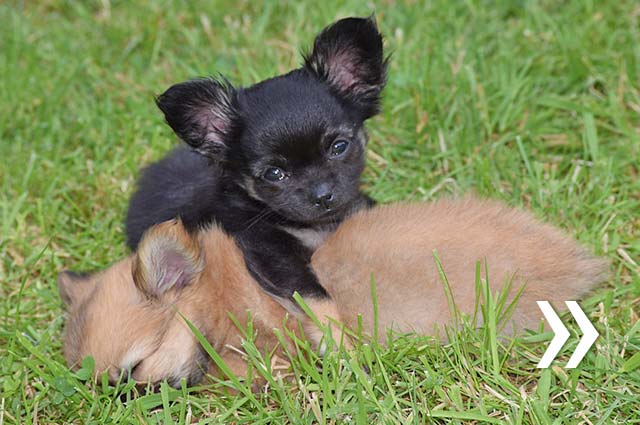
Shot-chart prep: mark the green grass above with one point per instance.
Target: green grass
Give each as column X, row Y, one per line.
column 536, row 103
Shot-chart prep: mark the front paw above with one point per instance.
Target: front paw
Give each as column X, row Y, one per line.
column 323, row 316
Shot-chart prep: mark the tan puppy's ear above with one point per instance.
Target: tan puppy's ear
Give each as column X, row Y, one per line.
column 74, row 287
column 167, row 258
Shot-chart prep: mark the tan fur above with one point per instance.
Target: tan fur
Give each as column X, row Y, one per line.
column 230, row 291
column 120, row 315
column 327, row 312
column 119, row 324
column 394, row 244
column 168, row 238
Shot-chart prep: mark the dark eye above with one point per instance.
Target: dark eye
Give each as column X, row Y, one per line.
column 338, row 147
column 274, row 174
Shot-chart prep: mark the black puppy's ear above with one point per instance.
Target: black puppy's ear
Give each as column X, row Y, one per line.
column 167, row 258
column 74, row 287
column 201, row 112
column 348, row 55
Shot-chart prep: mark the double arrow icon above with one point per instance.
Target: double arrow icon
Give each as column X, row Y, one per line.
column 562, row 334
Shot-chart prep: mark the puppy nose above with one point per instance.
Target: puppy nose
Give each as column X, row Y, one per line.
column 322, row 197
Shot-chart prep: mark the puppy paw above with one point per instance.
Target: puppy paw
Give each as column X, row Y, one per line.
column 326, row 311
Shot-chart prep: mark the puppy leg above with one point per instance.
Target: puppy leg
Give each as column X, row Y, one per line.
column 326, row 311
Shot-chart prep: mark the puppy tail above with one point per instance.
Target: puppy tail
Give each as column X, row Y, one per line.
column 571, row 276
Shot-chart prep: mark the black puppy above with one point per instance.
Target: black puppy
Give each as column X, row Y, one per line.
column 277, row 164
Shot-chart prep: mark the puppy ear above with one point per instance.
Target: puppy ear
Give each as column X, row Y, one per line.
column 74, row 287
column 201, row 113
column 167, row 258
column 348, row 55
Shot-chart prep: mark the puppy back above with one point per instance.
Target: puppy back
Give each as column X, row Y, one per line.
column 394, row 246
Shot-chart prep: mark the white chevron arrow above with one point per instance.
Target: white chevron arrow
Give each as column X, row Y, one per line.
column 590, row 334
column 561, row 334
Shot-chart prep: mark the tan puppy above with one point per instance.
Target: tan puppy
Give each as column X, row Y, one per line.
column 125, row 317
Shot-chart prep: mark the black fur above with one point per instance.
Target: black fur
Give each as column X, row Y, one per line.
column 297, row 123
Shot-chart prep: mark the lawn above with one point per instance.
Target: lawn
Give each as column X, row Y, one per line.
column 536, row 103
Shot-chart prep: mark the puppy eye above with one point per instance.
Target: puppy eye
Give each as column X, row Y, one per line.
column 274, row 174
column 338, row 147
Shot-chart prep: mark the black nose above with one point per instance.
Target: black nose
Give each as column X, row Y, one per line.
column 322, row 197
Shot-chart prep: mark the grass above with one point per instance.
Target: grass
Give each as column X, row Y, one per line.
column 536, row 103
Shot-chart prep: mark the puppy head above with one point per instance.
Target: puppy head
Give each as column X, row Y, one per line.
column 295, row 142
column 125, row 317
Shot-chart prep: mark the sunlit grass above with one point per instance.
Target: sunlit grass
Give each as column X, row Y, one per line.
column 533, row 103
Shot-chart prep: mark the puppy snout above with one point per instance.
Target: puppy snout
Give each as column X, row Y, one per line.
column 323, row 197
